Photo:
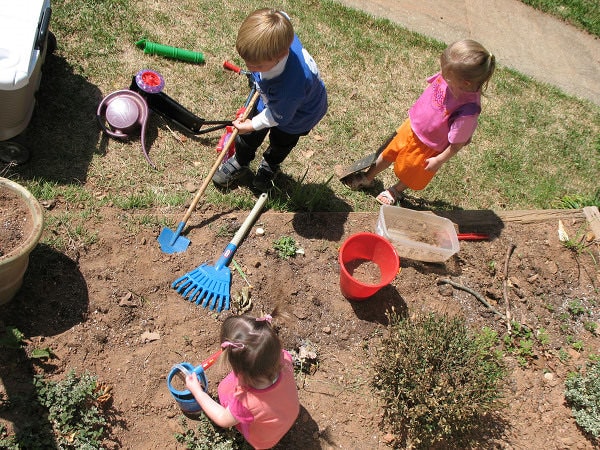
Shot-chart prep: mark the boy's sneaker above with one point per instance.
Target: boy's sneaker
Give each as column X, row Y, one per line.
column 263, row 180
column 229, row 172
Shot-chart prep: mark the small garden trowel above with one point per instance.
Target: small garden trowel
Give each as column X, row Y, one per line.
column 362, row 164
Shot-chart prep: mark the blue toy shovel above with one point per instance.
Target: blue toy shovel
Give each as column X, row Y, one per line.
column 209, row 285
column 171, row 241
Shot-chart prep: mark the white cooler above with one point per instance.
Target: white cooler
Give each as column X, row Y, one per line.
column 23, row 41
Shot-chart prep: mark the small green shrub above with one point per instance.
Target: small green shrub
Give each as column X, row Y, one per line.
column 208, row 436
column 6, row 441
column 77, row 420
column 578, row 201
column 285, row 246
column 592, row 327
column 11, row 338
column 576, row 308
column 520, row 343
column 437, row 378
column 583, row 394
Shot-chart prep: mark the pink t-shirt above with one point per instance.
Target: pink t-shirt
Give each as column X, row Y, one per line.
column 439, row 119
column 264, row 415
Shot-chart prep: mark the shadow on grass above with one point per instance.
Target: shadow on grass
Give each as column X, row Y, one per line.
column 318, row 212
column 62, row 135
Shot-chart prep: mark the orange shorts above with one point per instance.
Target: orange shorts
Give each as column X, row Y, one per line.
column 408, row 154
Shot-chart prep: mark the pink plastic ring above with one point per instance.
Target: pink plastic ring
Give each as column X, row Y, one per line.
column 150, row 81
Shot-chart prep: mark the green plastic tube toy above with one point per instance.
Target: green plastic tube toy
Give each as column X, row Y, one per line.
column 152, row 48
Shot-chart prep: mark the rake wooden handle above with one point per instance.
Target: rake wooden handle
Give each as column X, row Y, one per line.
column 241, row 232
column 220, row 157
column 231, row 248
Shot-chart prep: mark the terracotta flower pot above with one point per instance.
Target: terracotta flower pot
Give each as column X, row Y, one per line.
column 15, row 258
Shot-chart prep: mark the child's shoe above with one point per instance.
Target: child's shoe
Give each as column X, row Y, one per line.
column 229, row 172
column 263, row 180
column 389, row 197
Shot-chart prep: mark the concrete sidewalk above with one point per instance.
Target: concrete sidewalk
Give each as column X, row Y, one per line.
column 522, row 38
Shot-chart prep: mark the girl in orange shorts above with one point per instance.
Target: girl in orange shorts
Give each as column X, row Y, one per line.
column 439, row 124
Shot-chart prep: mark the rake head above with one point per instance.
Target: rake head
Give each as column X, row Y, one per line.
column 206, row 286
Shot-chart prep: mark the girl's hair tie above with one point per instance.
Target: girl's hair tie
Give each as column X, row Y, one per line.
column 265, row 318
column 228, row 344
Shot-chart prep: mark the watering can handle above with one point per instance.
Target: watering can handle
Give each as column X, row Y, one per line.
column 182, row 369
column 211, row 359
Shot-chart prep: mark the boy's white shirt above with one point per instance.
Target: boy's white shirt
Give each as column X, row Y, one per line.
column 265, row 119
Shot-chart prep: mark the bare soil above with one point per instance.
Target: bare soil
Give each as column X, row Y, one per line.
column 110, row 309
column 15, row 222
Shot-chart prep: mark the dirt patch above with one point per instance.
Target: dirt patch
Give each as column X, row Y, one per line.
column 15, row 221
column 110, row 309
column 364, row 271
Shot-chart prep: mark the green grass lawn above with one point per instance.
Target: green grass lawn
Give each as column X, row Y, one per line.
column 534, row 145
column 583, row 14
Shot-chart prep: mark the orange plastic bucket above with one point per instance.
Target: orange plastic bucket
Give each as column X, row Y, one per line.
column 360, row 250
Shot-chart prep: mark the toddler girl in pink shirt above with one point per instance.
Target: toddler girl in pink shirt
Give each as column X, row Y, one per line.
column 259, row 396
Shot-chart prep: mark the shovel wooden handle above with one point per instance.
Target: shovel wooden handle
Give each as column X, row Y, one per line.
column 220, row 157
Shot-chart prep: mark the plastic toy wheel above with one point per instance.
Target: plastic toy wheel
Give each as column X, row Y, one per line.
column 150, row 81
column 12, row 152
column 51, row 43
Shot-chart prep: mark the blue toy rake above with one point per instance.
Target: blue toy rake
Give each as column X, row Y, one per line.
column 208, row 286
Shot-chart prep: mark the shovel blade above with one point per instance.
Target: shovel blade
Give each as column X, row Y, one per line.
column 363, row 163
column 357, row 166
column 172, row 242
column 206, row 286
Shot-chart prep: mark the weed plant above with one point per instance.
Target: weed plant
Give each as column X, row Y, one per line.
column 437, row 378
column 521, row 341
column 207, row 436
column 74, row 417
column 285, row 247
column 578, row 201
column 583, row 394
column 77, row 419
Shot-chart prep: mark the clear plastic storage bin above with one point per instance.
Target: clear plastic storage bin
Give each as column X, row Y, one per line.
column 418, row 235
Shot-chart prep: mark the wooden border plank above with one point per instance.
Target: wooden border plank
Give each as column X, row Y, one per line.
column 593, row 217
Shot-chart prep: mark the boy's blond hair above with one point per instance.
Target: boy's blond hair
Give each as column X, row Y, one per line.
column 469, row 61
column 265, row 35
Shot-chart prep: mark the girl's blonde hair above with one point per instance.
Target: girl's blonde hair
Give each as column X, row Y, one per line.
column 252, row 347
column 469, row 61
column 264, row 35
